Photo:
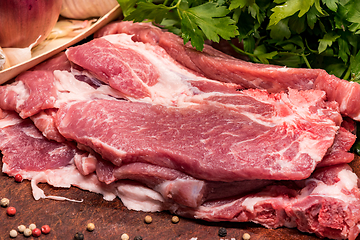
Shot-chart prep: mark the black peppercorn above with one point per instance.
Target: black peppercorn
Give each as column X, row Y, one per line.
column 79, row 236
column 138, row 238
column 222, row 232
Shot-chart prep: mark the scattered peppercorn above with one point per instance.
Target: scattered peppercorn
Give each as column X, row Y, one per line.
column 36, row 232
column 13, row 233
column 79, row 236
column 32, row 226
column 137, row 238
column 90, row 227
column 222, row 232
column 148, row 219
column 175, row 219
column 18, row 178
column 27, row 232
column 21, row 228
column 124, row 236
column 4, row 202
column 246, row 236
column 45, row 229
column 11, row 211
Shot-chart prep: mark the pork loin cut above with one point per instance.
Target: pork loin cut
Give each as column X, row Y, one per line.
column 121, row 68
column 326, row 204
column 39, row 93
column 258, row 136
column 27, row 152
column 214, row 64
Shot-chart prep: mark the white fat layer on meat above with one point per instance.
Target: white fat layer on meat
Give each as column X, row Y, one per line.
column 250, row 202
column 309, row 146
column 70, row 89
column 108, row 148
column 65, row 178
column 172, row 88
column 22, row 92
column 140, row 198
column 348, row 181
column 32, row 133
column 345, row 101
column 57, row 151
column 278, row 69
column 6, row 122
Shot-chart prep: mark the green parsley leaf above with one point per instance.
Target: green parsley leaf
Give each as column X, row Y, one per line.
column 148, row 10
column 355, row 67
column 240, row 3
column 289, row 8
column 127, row 6
column 331, row 4
column 211, row 19
column 280, row 30
column 327, row 41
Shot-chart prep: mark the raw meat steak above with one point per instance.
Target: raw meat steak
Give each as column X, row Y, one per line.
column 116, row 66
column 214, row 64
column 27, row 152
column 188, row 139
column 326, row 204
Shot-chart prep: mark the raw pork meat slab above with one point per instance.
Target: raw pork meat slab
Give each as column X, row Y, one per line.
column 216, row 65
column 326, row 204
column 161, row 133
column 27, row 152
column 292, row 141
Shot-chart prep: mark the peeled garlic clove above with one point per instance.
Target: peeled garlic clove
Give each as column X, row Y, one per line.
column 4, row 63
column 16, row 56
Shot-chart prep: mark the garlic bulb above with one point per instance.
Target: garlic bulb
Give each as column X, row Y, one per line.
column 82, row 9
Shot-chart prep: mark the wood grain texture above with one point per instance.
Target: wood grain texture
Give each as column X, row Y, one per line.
column 112, row 219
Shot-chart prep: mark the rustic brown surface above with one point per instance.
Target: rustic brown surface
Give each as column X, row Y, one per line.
column 112, row 219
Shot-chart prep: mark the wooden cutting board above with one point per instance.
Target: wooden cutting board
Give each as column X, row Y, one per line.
column 112, row 219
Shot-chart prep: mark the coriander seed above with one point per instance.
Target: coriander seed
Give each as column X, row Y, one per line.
column 175, row 219
column 27, row 232
column 13, row 233
column 32, row 226
column 4, row 202
column 124, row 236
column 246, row 236
column 90, row 227
column 148, row 219
column 21, row 228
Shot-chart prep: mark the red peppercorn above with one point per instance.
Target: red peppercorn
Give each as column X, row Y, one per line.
column 36, row 232
column 45, row 229
column 18, row 178
column 11, row 211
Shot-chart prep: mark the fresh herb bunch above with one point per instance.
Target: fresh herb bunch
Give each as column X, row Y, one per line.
column 296, row 33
